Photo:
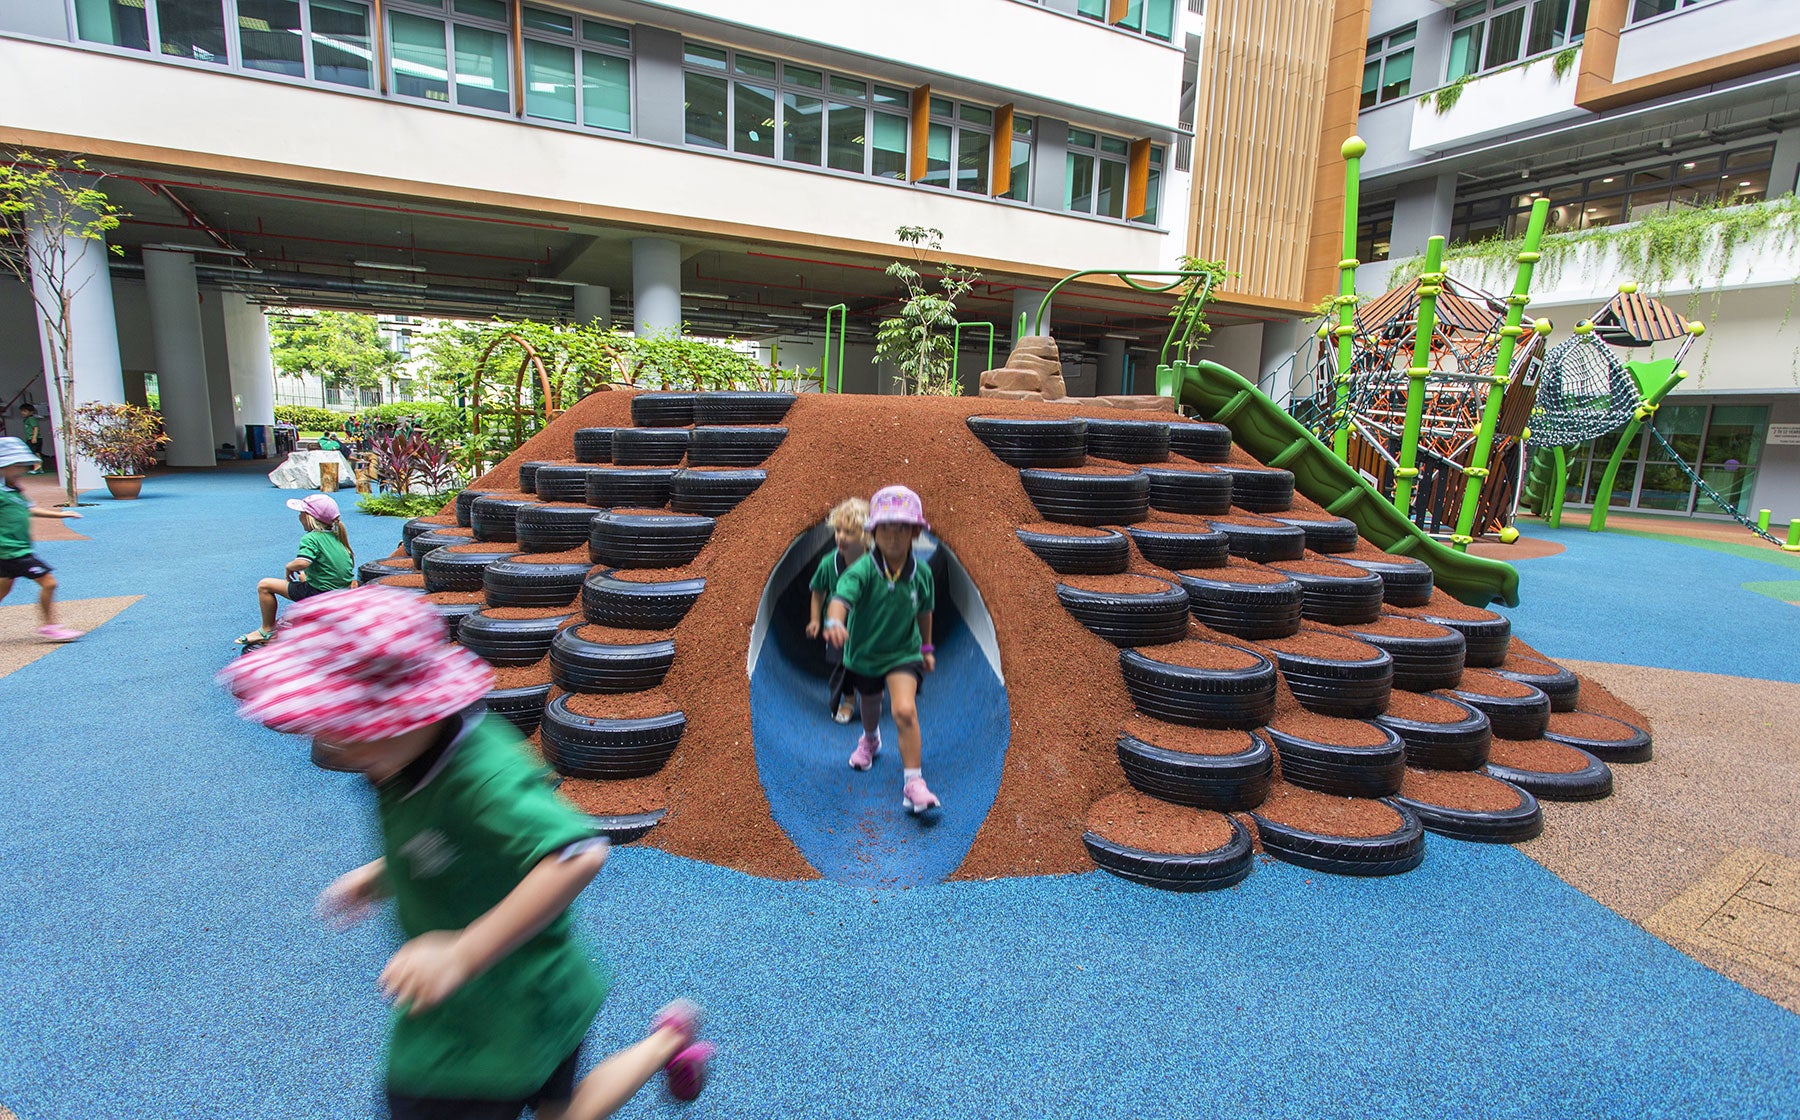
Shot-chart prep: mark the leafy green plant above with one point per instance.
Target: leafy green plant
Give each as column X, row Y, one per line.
column 405, row 505
column 1189, row 311
column 334, row 346
column 441, row 421
column 1564, row 62
column 920, row 339
column 120, row 438
column 308, row 418
column 1445, row 98
column 676, row 361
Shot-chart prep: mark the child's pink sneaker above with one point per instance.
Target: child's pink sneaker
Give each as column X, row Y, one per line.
column 58, row 633
column 685, row 1074
column 682, row 1016
column 916, row 796
column 867, row 748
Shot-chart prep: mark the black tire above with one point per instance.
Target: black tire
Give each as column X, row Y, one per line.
column 1128, row 441
column 418, row 527
column 1248, row 610
column 1483, row 826
column 1183, row 550
column 644, row 540
column 733, row 447
column 1339, row 770
column 1264, row 543
column 1226, row 698
column 1205, row 871
column 1511, row 717
column 579, row 665
column 1079, row 556
column 453, row 615
column 1176, row 490
column 1336, row 600
column 372, row 570
column 522, row 706
column 1485, row 640
column 1087, row 499
column 623, row 828
column 1228, row 783
column 528, row 474
column 1033, row 443
column 496, row 519
column 509, row 641
column 1260, row 489
column 1351, row 689
column 628, row 488
column 594, row 445
column 1399, row 851
column 465, row 505
column 558, row 528
column 1462, row 745
column 1590, row 783
column 563, row 483
column 1633, row 748
column 1201, row 441
column 579, row 746
column 514, row 583
column 1562, row 687
column 609, row 601
column 713, row 493
column 1336, row 535
column 446, row 570
column 742, row 407
column 649, row 447
column 430, row 541
column 663, row 410
column 1125, row 619
column 1406, row 583
column 1421, row 664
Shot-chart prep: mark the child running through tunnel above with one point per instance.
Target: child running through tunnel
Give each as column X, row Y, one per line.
column 846, row 520
column 492, row 991
column 880, row 614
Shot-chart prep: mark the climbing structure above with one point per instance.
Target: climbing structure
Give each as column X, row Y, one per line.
column 1194, row 654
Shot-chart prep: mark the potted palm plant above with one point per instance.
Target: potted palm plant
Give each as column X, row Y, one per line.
column 121, row 439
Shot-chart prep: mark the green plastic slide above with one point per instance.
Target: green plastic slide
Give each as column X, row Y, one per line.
column 1260, row 427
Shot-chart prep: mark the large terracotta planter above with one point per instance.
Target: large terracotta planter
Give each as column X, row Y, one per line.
column 124, row 487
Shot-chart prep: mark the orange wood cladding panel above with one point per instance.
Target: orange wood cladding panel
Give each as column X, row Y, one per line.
column 1137, row 180
column 1000, row 153
column 518, row 68
column 921, row 134
column 1336, row 124
column 1117, row 10
column 380, row 44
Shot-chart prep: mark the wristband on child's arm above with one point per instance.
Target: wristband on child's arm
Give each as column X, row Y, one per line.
column 927, row 648
column 833, row 624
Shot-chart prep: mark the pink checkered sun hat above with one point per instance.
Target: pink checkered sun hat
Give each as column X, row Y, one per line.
column 896, row 505
column 357, row 666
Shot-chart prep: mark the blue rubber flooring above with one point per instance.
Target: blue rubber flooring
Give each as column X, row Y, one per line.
column 158, row 861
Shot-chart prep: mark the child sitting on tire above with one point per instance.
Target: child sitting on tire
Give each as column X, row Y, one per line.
column 323, row 562
column 493, row 992
column 846, row 521
column 16, row 511
column 887, row 598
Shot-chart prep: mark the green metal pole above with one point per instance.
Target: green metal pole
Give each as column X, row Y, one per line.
column 1794, row 533
column 1430, row 283
column 1353, row 150
column 842, row 311
column 1477, row 470
column 956, row 348
column 1603, row 498
column 1762, row 519
column 1560, row 479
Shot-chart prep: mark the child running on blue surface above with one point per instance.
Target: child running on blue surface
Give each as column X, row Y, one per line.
column 492, row 991
column 887, row 598
column 846, row 520
column 16, row 559
column 323, row 562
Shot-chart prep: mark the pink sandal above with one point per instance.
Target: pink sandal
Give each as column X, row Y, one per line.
column 58, row 633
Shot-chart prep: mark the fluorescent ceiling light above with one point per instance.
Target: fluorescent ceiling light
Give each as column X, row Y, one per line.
column 558, row 283
column 820, row 306
column 392, row 284
column 704, row 295
column 213, row 250
column 788, row 315
column 1127, row 337
column 389, row 267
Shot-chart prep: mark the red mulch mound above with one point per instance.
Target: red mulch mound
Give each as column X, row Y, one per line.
column 484, row 548
column 404, row 580
column 658, row 575
column 1328, row 815
column 1444, row 605
column 624, row 705
column 1200, row 655
column 528, row 612
column 1586, row 725
column 1239, row 570
column 1318, row 568
column 1424, row 709
column 1115, row 585
column 606, row 635
column 1329, row 729
column 573, row 556
column 1140, row 821
column 1455, row 789
column 1540, row 755
column 1058, row 529
column 519, row 676
column 1321, row 643
column 1394, row 626
column 1188, row 740
column 1483, row 683
column 612, row 799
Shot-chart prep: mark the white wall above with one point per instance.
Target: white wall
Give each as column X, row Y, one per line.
column 1497, row 105
column 1703, row 32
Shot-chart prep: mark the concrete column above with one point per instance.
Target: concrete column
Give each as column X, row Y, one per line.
column 593, row 304
column 1784, row 171
column 655, row 285
column 93, row 345
column 661, row 85
column 218, row 370
column 1025, row 302
column 1421, row 208
column 252, row 366
column 1111, row 381
column 1051, row 154
column 180, row 356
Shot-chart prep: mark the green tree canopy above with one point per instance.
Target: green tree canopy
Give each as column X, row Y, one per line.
column 333, row 346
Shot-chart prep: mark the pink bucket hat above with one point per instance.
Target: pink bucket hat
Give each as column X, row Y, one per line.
column 357, row 666
column 322, row 506
column 896, row 505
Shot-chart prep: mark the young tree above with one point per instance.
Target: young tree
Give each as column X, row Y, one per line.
column 921, row 338
column 47, row 209
column 334, row 346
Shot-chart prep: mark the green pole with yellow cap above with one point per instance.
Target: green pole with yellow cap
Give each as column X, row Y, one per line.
column 1431, row 282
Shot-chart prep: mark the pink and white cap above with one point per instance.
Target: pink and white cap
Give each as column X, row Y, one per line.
column 357, row 666
column 322, row 507
column 896, row 505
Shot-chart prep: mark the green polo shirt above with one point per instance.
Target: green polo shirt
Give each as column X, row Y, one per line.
column 33, row 427
column 15, row 524
column 458, row 837
column 333, row 568
column 830, row 570
column 884, row 616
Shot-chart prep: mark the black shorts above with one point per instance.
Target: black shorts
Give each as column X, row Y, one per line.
column 875, row 686
column 559, row 1088
column 26, row 566
column 300, row 589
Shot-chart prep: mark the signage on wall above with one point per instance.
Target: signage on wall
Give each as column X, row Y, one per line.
column 1786, row 435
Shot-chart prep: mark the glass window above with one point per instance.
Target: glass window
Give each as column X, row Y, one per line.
column 697, row 54
column 116, row 23
column 1110, row 197
column 1019, row 188
column 1159, row 19
column 1504, row 38
column 848, row 87
column 341, row 46
column 1152, row 187
column 605, row 91
column 549, row 81
column 753, row 120
column 973, row 151
column 888, row 95
column 845, row 149
column 555, row 23
column 802, row 128
column 1650, row 9
column 192, row 29
column 483, row 68
column 270, row 37
column 606, row 34
column 1734, row 439
column 973, row 115
column 1663, row 484
column 421, row 65
column 1092, row 9
column 937, row 155
column 1465, row 52
column 705, row 111
column 754, row 67
column 1388, row 65
column 482, row 9
column 1080, row 139
column 1078, row 193
column 799, row 76
column 887, row 155
column 1511, row 30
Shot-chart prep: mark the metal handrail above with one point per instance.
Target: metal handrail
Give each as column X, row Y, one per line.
column 842, row 311
column 1180, row 331
column 956, row 349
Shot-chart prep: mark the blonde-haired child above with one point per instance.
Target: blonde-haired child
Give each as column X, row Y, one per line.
column 846, row 520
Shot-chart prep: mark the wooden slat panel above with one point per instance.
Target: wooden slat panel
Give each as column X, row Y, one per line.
column 381, row 51
column 1000, row 156
column 1116, row 10
column 518, row 67
column 921, row 133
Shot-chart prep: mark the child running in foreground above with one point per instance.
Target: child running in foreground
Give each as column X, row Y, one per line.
column 492, row 991
column 887, row 598
column 16, row 511
column 323, row 562
column 846, row 520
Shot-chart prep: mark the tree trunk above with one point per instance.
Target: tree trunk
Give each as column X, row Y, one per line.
column 65, row 395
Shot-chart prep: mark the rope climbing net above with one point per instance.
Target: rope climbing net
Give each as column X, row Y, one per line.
column 1585, row 393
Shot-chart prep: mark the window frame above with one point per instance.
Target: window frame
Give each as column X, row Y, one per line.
column 1573, row 30
column 1099, row 155
column 578, row 42
column 1381, row 50
column 444, row 11
column 1587, row 464
column 958, row 124
column 1632, row 19
column 1097, row 11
